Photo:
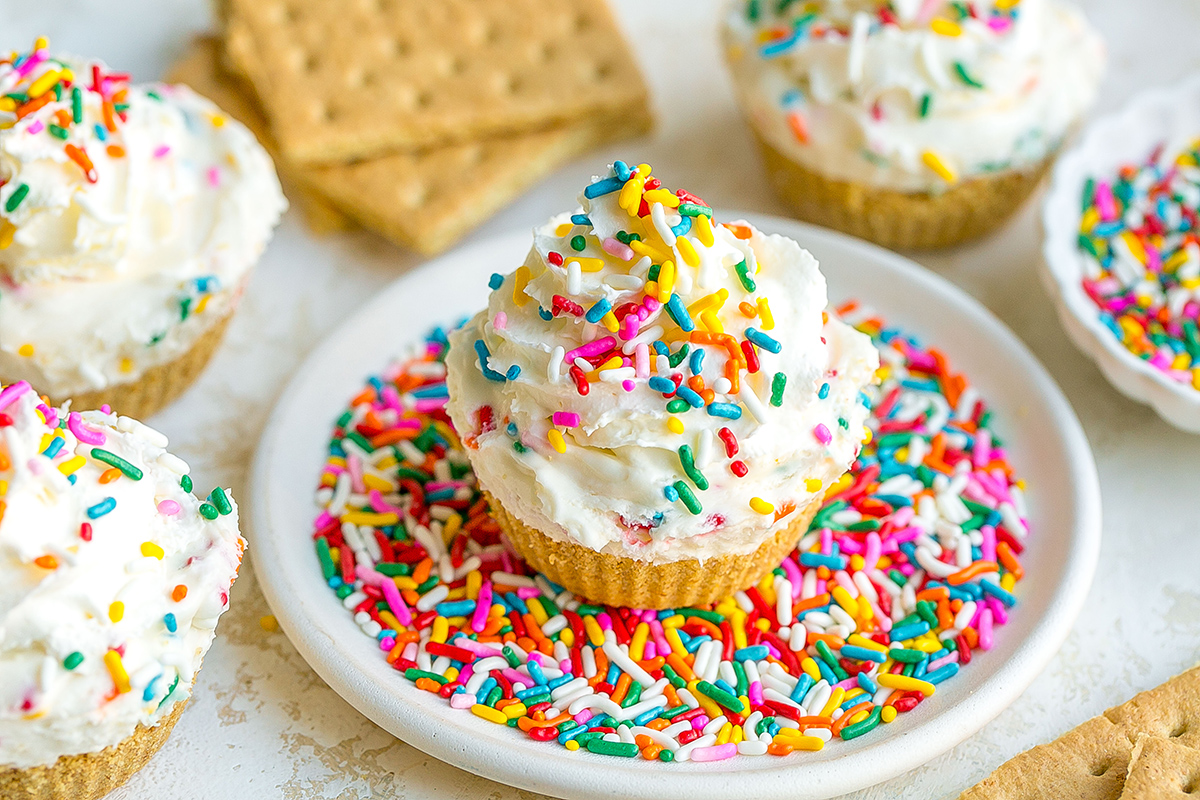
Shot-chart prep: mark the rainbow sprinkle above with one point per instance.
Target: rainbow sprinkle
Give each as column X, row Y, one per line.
column 1140, row 238
column 909, row 567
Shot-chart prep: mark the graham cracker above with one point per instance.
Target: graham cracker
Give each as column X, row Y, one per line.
column 355, row 79
column 1091, row 761
column 428, row 199
column 1162, row 769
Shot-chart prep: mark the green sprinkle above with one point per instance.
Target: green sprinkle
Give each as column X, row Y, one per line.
column 344, row 591
column 219, row 499
column 578, row 243
column 752, row 11
column 360, row 440
column 778, row 384
column 57, row 132
column 677, row 358
column 16, row 197
column 520, row 448
column 711, row 616
column 652, row 273
column 688, row 460
column 859, row 728
column 926, row 102
column 743, row 683
column 76, row 105
column 73, row 660
column 928, row 612
column 328, row 568
column 414, row 674
column 186, row 483
column 906, row 656
column 694, row 210
column 743, row 273
column 722, row 697
column 689, row 499
column 678, row 683
column 633, row 695
column 607, row 748
column 209, row 511
column 114, row 460
column 392, row 570
column 965, row 76
column 666, row 756
column 494, row 696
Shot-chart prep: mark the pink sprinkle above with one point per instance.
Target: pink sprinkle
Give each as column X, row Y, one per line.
column 873, row 551
column 83, row 433
column 500, row 321
column 822, row 433
column 718, row 752
column 617, row 249
column 568, row 419
column 999, row 24
column 214, row 176
column 985, row 629
column 1106, row 204
column 161, row 150
column 168, row 507
column 641, row 360
column 368, row 575
column 629, row 326
column 593, row 348
column 12, row 392
column 50, row 414
column 36, row 127
column 387, row 643
column 38, row 57
column 628, row 386
column 399, row 608
column 483, row 606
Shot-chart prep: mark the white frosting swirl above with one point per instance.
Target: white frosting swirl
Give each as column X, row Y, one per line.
column 143, row 587
column 99, row 281
column 912, row 99
column 608, row 489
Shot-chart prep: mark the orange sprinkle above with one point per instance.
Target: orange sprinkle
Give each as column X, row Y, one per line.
column 110, row 475
column 780, row 749
column 178, row 593
column 1005, row 554
column 115, row 151
column 46, row 562
column 965, row 574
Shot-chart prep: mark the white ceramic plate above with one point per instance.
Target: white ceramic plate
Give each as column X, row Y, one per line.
column 1169, row 116
column 1044, row 439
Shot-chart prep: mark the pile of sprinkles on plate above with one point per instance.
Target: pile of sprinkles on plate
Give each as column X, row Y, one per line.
column 1140, row 238
column 909, row 566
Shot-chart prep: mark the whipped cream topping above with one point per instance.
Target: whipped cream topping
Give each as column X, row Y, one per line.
column 912, row 96
column 112, row 577
column 565, row 388
column 129, row 218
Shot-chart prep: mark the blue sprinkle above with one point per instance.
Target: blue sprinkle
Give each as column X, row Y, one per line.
column 866, row 684
column 823, row 392
column 762, row 340
column 456, row 608
column 511, row 429
column 903, row 633
column 660, row 347
column 496, row 281
column 561, row 680
column 100, row 509
column 661, row 384
column 55, row 445
column 535, row 672
column 683, row 227
column 995, row 591
column 169, row 621
column 513, row 372
column 622, row 169
column 803, row 684
column 597, row 312
column 721, row 684
column 679, row 313
column 822, row 560
column 726, row 410
column 670, row 493
column 101, row 134
column 696, row 362
column 487, row 371
column 942, row 673
column 826, row 672
column 863, row 654
column 544, row 314
column 646, row 717
column 602, row 187
column 755, row 652
column 433, row 390
column 580, row 219
column 151, row 689
column 693, row 399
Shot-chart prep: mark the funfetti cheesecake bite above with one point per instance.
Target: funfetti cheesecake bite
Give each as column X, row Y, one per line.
column 656, row 402
column 910, row 123
column 130, row 217
column 112, row 577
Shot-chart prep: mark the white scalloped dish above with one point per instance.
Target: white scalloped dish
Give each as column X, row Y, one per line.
column 1167, row 116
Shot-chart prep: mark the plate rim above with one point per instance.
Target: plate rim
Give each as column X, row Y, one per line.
column 584, row 777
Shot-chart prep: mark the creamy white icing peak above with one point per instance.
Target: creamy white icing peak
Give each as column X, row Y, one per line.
column 608, row 489
column 104, row 275
column 862, row 91
column 71, row 597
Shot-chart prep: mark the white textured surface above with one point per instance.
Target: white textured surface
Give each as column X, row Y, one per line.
column 264, row 725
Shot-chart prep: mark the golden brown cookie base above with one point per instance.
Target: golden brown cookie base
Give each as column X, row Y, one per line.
column 901, row 220
column 91, row 775
column 619, row 581
column 158, row 386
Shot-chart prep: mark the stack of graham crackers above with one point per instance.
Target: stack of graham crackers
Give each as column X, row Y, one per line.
column 419, row 118
column 1146, row 749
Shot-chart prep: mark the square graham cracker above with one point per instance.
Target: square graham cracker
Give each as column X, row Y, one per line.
column 1162, row 769
column 427, row 199
column 1091, row 761
column 358, row 78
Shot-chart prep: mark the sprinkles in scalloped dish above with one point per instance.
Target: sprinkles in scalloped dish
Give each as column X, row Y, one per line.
column 909, row 566
column 1140, row 242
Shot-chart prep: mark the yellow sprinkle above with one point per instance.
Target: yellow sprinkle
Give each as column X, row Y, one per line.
column 1182, row 361
column 761, row 506
column 405, row 582
column 520, row 281
column 25, row 350
column 650, row 288
column 661, row 196
column 888, row 714
column 702, row 227
column 858, row 640
column 572, row 745
column 7, row 231
column 564, row 229
column 7, row 104
column 43, row 84
column 865, row 612
column 515, row 710
column 203, row 304
column 644, row 248
column 690, row 256
column 944, row 27
column 489, row 713
column 1196, row 378
column 905, row 683
column 538, row 612
column 71, row 465
column 860, row 716
column 1090, row 218
column 218, row 121
column 441, row 629
column 812, row 485
column 611, row 323
column 764, row 314
column 936, row 164
column 268, row 623
column 453, row 523
column 857, row 562
column 1135, row 245
column 555, row 437
column 867, row 435
column 725, row 733
column 371, row 518
column 612, row 363
column 126, row 365
column 810, row 668
column 666, row 281
column 1008, row 582
column 116, row 611
column 843, row 599
column 710, row 322
column 375, row 482
column 592, row 629
column 112, row 660
column 587, row 264
column 567, row 637
column 637, row 644
column 675, row 425
column 712, row 301
column 151, row 550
